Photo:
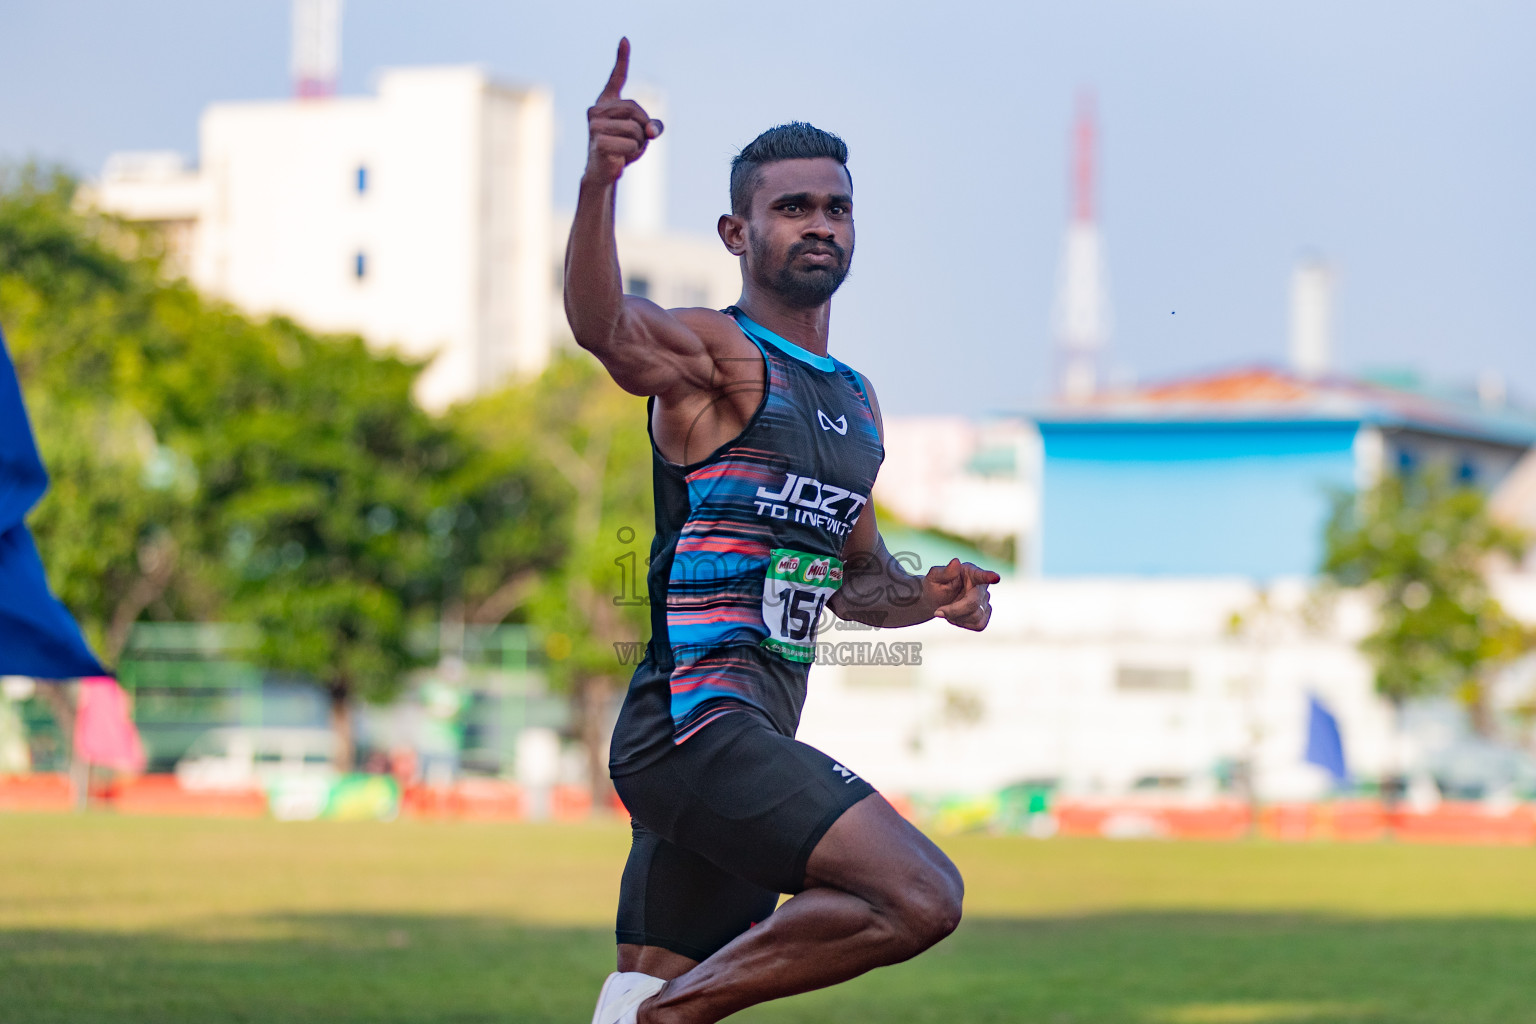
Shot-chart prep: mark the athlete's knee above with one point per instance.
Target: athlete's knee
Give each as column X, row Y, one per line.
column 930, row 905
column 947, row 901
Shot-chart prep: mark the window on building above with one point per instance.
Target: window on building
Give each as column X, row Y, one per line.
column 1407, row 462
column 360, row 265
column 362, row 178
column 1148, row 679
column 640, row 287
column 1466, row 471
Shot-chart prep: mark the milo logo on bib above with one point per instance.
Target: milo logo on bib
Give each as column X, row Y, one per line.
column 796, row 588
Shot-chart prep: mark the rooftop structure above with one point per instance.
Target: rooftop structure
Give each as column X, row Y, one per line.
column 1231, row 473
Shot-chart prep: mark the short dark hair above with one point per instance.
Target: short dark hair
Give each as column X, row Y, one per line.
column 793, row 141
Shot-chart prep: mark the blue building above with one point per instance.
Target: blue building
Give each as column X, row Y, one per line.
column 1232, row 474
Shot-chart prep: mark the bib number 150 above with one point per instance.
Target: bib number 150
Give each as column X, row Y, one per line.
column 796, row 588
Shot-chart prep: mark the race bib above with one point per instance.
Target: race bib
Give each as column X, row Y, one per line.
column 795, row 590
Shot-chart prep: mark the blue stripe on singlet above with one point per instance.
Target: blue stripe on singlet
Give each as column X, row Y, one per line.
column 758, row 332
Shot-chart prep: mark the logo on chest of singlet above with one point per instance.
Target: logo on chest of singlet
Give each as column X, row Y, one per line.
column 828, row 423
column 804, row 499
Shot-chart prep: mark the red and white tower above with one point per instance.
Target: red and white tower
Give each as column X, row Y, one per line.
column 1081, row 317
column 315, row 57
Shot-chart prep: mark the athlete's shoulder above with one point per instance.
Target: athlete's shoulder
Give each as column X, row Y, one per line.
column 734, row 358
column 698, row 317
column 713, row 326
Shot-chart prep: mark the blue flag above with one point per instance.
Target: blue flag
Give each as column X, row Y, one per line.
column 38, row 636
column 1325, row 747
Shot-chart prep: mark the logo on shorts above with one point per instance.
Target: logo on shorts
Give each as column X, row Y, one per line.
column 847, row 775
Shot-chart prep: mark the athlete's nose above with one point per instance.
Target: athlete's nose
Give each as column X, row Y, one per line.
column 820, row 227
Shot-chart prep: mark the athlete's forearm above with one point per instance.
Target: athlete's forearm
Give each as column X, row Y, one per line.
column 878, row 591
column 594, row 291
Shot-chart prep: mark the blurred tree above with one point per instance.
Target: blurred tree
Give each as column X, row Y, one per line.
column 207, row 465
column 116, row 520
column 591, row 437
column 1423, row 545
column 113, row 523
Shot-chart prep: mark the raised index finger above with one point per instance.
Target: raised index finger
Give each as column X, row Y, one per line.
column 980, row 576
column 620, row 73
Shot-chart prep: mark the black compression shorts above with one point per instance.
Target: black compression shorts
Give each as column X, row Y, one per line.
column 724, row 823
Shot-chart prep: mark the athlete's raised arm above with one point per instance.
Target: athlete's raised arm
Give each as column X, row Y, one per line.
column 647, row 350
column 878, row 590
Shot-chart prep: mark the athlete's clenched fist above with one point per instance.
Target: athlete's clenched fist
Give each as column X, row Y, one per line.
column 617, row 129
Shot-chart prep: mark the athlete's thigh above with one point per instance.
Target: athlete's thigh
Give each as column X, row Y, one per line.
column 674, row 899
column 875, row 853
column 750, row 800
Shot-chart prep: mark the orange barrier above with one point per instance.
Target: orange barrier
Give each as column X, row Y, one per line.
column 163, row 794
column 1349, row 821
column 474, row 799
column 1467, row 823
column 1130, row 818
column 1221, row 821
column 1081, row 820
column 1346, row 821
column 466, row 800
column 41, row 792
column 490, row 800
column 1352, row 821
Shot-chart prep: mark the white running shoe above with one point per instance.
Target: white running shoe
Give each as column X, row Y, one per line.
column 622, row 995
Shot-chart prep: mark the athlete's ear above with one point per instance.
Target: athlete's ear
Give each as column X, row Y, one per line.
column 733, row 232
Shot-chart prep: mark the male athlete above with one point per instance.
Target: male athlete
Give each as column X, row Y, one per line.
column 765, row 451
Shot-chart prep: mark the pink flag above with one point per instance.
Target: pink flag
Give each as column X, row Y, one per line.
column 104, row 732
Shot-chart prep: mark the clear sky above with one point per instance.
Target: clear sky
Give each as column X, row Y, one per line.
column 1396, row 138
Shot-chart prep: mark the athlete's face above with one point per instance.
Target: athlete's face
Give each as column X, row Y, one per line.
column 799, row 231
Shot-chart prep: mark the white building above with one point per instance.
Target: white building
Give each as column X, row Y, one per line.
column 420, row 217
column 1112, row 686
column 671, row 269
column 978, row 480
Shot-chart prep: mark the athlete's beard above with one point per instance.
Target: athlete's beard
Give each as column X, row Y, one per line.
column 807, row 287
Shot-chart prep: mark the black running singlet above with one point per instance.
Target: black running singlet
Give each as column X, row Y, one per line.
column 747, row 553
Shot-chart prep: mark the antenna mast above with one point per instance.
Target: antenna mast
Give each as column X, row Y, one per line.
column 316, row 53
column 1082, row 297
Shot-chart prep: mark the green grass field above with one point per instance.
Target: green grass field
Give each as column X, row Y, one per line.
column 106, row 919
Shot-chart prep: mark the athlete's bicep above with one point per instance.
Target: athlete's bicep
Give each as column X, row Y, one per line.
column 863, row 549
column 655, row 351
column 864, row 543
column 871, row 576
